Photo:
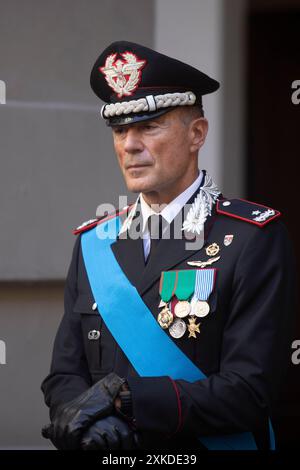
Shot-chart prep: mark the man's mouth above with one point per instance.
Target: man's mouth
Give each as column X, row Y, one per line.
column 136, row 166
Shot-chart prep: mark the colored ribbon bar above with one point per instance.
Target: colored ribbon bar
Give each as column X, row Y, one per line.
column 205, row 279
column 185, row 284
column 167, row 285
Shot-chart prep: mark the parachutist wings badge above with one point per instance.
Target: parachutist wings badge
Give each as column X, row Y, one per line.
column 123, row 76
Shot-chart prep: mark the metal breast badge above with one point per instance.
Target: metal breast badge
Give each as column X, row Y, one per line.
column 213, row 249
column 228, row 239
column 203, row 264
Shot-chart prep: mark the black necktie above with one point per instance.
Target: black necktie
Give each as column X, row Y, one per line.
column 155, row 226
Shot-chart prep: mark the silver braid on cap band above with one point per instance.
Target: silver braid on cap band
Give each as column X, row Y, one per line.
column 149, row 103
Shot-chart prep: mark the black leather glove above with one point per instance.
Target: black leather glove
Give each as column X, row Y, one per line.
column 108, row 434
column 74, row 417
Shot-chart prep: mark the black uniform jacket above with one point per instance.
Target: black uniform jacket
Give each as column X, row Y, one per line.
column 242, row 346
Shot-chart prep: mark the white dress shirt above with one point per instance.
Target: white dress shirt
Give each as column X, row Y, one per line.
column 169, row 212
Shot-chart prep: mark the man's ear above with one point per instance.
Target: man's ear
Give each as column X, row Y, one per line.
column 198, row 132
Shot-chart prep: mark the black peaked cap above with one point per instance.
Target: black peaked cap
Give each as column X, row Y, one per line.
column 127, row 71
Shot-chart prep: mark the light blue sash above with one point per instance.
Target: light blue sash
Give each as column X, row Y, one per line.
column 151, row 352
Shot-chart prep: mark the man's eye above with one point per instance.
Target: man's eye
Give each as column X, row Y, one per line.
column 149, row 126
column 119, row 131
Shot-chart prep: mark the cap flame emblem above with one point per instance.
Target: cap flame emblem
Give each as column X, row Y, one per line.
column 123, row 76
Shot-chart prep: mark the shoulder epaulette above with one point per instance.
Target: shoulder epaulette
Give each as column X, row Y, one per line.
column 89, row 224
column 248, row 211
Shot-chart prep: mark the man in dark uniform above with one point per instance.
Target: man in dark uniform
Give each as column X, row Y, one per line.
column 177, row 337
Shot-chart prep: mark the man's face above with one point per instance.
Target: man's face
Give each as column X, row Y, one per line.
column 155, row 155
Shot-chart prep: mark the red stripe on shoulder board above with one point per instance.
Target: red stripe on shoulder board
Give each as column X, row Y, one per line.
column 245, row 219
column 118, row 212
column 85, row 228
column 96, row 222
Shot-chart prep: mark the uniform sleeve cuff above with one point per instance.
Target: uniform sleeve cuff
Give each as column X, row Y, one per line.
column 156, row 404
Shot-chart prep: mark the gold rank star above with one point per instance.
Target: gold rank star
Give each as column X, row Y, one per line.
column 193, row 327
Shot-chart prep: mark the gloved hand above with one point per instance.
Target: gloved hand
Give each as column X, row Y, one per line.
column 108, row 434
column 74, row 417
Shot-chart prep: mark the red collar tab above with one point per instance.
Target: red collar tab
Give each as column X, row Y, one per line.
column 248, row 211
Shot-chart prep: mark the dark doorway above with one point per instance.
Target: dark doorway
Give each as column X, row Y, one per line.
column 273, row 152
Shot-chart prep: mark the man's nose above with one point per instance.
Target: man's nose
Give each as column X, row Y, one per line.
column 133, row 142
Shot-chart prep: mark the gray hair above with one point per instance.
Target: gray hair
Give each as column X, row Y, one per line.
column 190, row 113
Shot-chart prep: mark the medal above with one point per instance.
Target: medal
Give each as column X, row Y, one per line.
column 166, row 290
column 178, row 328
column 200, row 308
column 184, row 290
column 176, row 289
column 165, row 318
column 205, row 279
column 213, row 249
column 193, row 327
column 182, row 308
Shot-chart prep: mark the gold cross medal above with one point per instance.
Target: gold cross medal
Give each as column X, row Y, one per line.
column 193, row 327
